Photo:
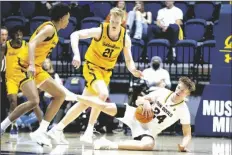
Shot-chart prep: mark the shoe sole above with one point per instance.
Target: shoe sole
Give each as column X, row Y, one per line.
column 54, row 141
column 35, row 139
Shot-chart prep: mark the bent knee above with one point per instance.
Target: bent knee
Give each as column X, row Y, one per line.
column 12, row 100
column 33, row 102
column 103, row 95
column 60, row 94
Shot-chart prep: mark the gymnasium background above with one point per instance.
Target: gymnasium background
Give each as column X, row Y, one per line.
column 207, row 44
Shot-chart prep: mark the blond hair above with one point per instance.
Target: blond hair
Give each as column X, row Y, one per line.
column 117, row 12
column 188, row 83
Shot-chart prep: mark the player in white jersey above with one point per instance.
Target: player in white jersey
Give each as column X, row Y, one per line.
column 168, row 107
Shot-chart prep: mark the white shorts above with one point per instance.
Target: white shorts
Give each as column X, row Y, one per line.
column 137, row 128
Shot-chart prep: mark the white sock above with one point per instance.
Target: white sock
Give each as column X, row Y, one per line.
column 5, row 123
column 89, row 129
column 60, row 126
column 43, row 126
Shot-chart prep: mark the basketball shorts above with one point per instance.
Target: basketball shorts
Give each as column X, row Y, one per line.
column 11, row 86
column 138, row 129
column 92, row 73
column 20, row 76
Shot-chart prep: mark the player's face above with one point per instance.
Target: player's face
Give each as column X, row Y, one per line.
column 65, row 21
column 115, row 22
column 181, row 90
column 18, row 36
column 121, row 4
column 4, row 35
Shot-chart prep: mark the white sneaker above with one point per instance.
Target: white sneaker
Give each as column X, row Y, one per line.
column 41, row 138
column 57, row 136
column 87, row 138
column 103, row 144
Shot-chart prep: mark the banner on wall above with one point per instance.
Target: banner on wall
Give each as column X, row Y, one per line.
column 214, row 115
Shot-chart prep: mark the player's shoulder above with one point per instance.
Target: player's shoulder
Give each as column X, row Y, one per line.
column 184, row 107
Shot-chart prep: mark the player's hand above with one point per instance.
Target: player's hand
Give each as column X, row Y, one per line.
column 76, row 61
column 182, row 148
column 147, row 110
column 31, row 71
column 137, row 73
column 162, row 84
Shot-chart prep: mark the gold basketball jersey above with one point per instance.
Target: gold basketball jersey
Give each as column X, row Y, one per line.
column 43, row 49
column 105, row 51
column 11, row 56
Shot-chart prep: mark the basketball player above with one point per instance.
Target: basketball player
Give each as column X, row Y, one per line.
column 168, row 108
column 29, row 67
column 108, row 41
column 13, row 48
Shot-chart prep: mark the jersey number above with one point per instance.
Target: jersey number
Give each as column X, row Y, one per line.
column 160, row 118
column 108, row 53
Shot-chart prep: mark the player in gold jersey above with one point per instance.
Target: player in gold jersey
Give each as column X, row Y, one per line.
column 13, row 47
column 108, row 41
column 30, row 75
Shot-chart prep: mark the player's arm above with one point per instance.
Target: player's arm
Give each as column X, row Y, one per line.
column 151, row 97
column 82, row 34
column 186, row 128
column 46, row 32
column 128, row 58
column 146, row 101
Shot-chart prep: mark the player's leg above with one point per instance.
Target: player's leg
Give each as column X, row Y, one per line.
column 30, row 91
column 56, row 133
column 141, row 135
column 12, row 91
column 49, row 85
column 146, row 143
column 100, row 88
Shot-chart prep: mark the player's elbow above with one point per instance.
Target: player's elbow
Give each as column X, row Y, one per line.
column 74, row 35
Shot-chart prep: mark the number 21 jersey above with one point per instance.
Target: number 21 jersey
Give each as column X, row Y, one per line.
column 105, row 51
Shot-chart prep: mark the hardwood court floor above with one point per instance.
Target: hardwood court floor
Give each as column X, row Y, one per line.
column 165, row 145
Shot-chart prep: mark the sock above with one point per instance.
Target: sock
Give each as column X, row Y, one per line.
column 43, row 126
column 89, row 129
column 60, row 126
column 5, row 123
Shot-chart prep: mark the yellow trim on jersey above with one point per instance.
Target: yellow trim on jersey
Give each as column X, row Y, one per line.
column 173, row 104
column 42, row 50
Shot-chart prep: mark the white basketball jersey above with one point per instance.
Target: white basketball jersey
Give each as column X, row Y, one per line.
column 166, row 112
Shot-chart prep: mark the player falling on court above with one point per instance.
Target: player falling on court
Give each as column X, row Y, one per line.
column 13, row 47
column 29, row 74
column 108, row 41
column 167, row 106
